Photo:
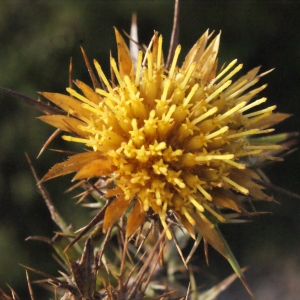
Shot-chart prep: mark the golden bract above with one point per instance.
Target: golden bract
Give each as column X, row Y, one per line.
column 173, row 140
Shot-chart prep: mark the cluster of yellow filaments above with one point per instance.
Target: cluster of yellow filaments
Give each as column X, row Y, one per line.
column 174, row 141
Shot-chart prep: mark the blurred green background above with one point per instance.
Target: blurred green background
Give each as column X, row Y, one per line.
column 37, row 39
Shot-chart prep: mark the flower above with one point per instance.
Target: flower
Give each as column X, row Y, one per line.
column 171, row 142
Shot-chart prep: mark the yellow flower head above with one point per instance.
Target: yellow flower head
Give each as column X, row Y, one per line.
column 173, row 141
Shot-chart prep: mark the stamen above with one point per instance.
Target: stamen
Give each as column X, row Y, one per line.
column 243, row 133
column 256, row 119
column 218, row 91
column 148, row 49
column 174, row 62
column 204, row 192
column 129, row 87
column 102, row 76
column 263, row 147
column 211, row 157
column 262, row 111
column 165, row 91
column 231, row 111
column 213, row 212
column 159, row 53
column 74, row 139
column 150, row 63
column 249, row 132
column 92, row 109
column 188, row 75
column 235, row 164
column 237, row 186
column 138, row 69
column 80, row 97
column 179, row 183
column 187, row 215
column 160, row 146
column 165, row 226
column 170, row 112
column 205, row 115
column 116, row 71
column 190, row 95
column 107, row 95
column 255, row 103
column 216, row 133
column 235, row 90
column 232, row 73
column 226, row 69
column 146, row 204
column 195, row 203
column 245, row 87
column 254, row 152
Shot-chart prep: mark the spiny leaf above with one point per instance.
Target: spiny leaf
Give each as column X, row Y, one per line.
column 46, row 108
column 84, row 271
column 234, row 264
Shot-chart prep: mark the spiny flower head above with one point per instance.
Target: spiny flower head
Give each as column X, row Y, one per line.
column 171, row 142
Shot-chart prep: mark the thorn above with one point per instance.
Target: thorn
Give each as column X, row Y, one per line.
column 175, row 34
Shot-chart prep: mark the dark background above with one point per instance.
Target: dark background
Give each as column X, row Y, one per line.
column 37, row 39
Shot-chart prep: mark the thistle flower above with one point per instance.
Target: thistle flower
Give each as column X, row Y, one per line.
column 171, row 142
